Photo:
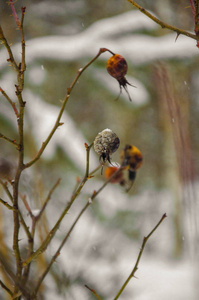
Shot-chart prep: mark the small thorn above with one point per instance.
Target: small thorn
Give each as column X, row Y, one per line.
column 177, row 36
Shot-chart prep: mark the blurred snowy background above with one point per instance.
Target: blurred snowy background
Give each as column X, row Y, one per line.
column 61, row 37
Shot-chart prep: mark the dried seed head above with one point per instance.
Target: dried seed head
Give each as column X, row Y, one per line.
column 105, row 143
column 131, row 157
column 118, row 178
column 117, row 67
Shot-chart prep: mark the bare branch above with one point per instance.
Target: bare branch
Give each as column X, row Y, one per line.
column 57, row 253
column 51, row 234
column 6, row 204
column 163, row 24
column 94, row 292
column 2, row 136
column 10, row 101
column 8, row 48
column 139, row 257
column 57, row 123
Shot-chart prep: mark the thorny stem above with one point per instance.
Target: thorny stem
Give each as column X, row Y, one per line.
column 7, row 46
column 35, row 219
column 94, row 292
column 14, row 13
column 163, row 24
column 9, row 270
column 57, row 123
column 4, row 185
column 10, row 207
column 10, row 101
column 2, row 136
column 89, row 202
column 139, row 257
column 20, row 119
column 22, row 65
column 51, row 234
column 59, row 249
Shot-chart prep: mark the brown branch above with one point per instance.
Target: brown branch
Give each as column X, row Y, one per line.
column 10, row 101
column 6, row 189
column 9, row 270
column 6, row 204
column 57, row 253
column 57, row 123
column 35, row 219
column 22, row 66
column 139, row 257
column 2, row 136
column 20, row 122
column 51, row 234
column 14, row 13
column 94, row 292
column 8, row 48
column 163, row 24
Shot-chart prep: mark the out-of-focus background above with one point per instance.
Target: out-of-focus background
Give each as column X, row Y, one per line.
column 162, row 121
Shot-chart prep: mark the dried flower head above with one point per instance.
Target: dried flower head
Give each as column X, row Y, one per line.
column 117, row 67
column 119, row 176
column 131, row 157
column 105, row 143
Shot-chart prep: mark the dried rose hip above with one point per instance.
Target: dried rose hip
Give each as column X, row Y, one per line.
column 117, row 67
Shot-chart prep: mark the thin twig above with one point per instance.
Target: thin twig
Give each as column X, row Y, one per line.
column 51, row 234
column 139, row 257
column 9, row 270
column 22, row 66
column 94, row 292
column 20, row 123
column 6, row 204
column 26, row 229
column 10, row 101
column 57, row 123
column 8, row 48
column 6, row 189
column 163, row 24
column 35, row 219
column 57, row 253
column 14, row 13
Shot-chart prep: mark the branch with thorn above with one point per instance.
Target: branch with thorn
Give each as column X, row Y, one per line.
column 163, row 24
